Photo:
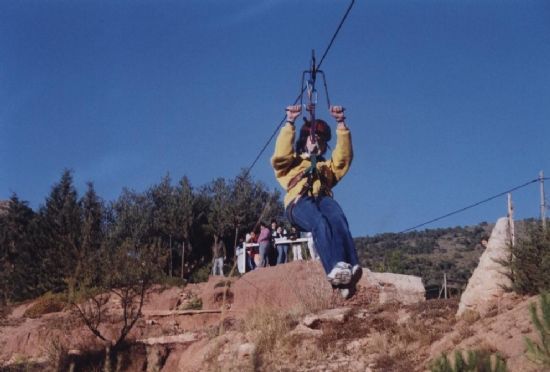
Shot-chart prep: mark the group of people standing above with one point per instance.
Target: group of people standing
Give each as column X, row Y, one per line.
column 274, row 243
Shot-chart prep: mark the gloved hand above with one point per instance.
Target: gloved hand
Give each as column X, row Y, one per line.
column 337, row 112
column 292, row 112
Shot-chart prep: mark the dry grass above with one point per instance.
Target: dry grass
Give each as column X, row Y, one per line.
column 267, row 327
column 470, row 316
column 57, row 355
column 397, row 345
column 194, row 303
column 391, row 353
column 314, row 294
column 47, row 303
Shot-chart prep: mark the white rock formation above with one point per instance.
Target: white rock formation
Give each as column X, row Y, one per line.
column 404, row 289
column 488, row 279
column 174, row 339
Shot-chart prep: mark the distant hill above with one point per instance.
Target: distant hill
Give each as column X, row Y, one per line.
column 428, row 253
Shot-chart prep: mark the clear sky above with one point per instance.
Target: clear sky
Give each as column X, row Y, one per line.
column 448, row 101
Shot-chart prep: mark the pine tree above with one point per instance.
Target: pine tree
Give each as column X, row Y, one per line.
column 185, row 202
column 18, row 268
column 165, row 214
column 88, row 268
column 61, row 226
column 220, row 217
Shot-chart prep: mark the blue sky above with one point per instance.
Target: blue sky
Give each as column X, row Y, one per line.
column 448, row 101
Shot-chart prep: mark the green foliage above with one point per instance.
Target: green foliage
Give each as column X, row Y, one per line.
column 426, row 253
column 219, row 215
column 19, row 272
column 128, row 274
column 475, row 361
column 172, row 281
column 201, row 274
column 195, row 303
column 76, row 244
column 540, row 353
column 60, row 221
column 530, row 261
column 47, row 303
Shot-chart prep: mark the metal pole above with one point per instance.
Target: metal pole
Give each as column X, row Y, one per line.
column 445, row 284
column 542, row 201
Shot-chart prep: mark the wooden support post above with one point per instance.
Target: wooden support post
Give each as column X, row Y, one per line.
column 542, row 201
column 171, row 258
column 445, row 284
column 511, row 228
column 236, row 240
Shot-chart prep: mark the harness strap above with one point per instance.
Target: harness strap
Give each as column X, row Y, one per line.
column 311, row 172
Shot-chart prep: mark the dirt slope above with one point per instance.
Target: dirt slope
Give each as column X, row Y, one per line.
column 276, row 319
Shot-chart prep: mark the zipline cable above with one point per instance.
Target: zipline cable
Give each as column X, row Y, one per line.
column 471, row 205
column 330, row 44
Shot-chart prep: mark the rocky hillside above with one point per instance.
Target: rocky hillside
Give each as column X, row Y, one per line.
column 283, row 318
column 429, row 253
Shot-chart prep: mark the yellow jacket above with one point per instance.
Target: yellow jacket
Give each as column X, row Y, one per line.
column 287, row 163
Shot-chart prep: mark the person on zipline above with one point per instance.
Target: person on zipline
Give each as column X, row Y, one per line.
column 308, row 179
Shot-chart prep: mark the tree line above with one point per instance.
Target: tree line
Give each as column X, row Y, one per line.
column 73, row 241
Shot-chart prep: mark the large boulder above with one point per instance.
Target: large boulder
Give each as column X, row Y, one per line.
column 303, row 283
column 488, row 280
column 400, row 288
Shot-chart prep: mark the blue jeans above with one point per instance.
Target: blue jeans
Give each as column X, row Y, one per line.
column 329, row 226
column 282, row 253
column 264, row 254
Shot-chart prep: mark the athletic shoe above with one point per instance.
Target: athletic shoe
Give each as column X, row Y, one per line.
column 345, row 293
column 340, row 274
column 349, row 290
column 356, row 274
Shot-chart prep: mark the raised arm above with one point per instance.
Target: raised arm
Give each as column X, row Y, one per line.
column 342, row 154
column 283, row 157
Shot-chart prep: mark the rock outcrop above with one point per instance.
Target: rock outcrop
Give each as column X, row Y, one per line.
column 399, row 288
column 488, row 280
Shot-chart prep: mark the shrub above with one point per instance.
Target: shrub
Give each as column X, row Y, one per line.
column 535, row 352
column 172, row 281
column 201, row 274
column 529, row 262
column 475, row 361
column 47, row 303
column 195, row 303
